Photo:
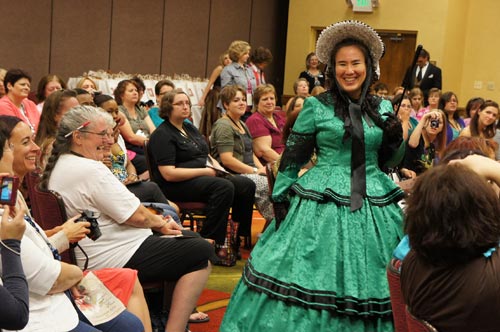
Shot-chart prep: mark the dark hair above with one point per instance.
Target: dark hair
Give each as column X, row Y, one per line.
column 3, row 139
column 261, row 55
column 399, row 98
column 167, row 103
column 51, row 108
column 211, row 113
column 229, row 92
column 120, row 90
column 424, row 54
column 291, row 117
column 446, row 97
column 162, row 83
column 101, row 99
column 8, row 123
column 139, row 83
column 489, row 131
column 473, row 103
column 452, row 215
column 80, row 91
column 40, row 92
column 14, row 75
column 380, row 86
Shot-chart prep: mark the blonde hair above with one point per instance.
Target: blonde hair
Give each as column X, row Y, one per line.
column 237, row 49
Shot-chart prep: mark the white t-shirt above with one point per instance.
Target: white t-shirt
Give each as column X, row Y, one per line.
column 86, row 184
column 48, row 313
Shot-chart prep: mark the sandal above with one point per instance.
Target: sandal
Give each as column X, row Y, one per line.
column 198, row 317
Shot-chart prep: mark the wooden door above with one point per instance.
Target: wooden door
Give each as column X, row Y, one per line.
column 399, row 51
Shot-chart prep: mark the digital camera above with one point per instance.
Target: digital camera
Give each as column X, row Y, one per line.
column 91, row 217
column 434, row 123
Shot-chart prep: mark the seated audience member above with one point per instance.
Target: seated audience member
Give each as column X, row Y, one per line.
column 473, row 105
column 260, row 58
column 214, row 81
column 231, row 145
column 16, row 103
column 408, row 123
column 180, row 155
column 454, row 230
column 2, row 86
column 84, row 97
column 266, row 125
column 14, row 294
column 380, row 89
column 426, row 143
column 46, row 86
column 432, row 103
column 48, row 277
column 398, row 90
column 313, row 74
column 417, row 101
column 449, row 104
column 54, row 107
column 126, row 226
column 300, row 88
column 87, row 84
column 483, row 123
column 317, row 90
column 292, row 112
column 161, row 88
column 124, row 170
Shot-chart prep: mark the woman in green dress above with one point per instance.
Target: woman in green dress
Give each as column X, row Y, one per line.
column 320, row 265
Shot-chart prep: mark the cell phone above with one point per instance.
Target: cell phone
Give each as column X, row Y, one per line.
column 9, row 186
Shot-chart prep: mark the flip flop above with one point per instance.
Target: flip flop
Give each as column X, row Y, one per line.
column 201, row 320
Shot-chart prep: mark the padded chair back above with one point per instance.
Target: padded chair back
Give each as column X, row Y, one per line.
column 47, row 208
column 397, row 302
column 418, row 325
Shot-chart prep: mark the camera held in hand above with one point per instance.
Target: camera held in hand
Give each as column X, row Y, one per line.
column 434, row 123
column 91, row 217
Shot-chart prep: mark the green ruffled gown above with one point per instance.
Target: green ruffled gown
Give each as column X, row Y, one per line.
column 324, row 268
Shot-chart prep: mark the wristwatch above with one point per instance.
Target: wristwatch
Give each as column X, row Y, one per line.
column 255, row 170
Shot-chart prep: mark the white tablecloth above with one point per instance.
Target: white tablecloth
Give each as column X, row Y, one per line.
column 193, row 89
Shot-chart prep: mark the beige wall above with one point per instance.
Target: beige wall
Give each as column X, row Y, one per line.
column 461, row 36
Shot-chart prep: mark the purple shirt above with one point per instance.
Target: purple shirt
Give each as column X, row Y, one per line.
column 259, row 126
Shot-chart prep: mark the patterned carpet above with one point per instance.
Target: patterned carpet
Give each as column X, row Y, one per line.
column 221, row 283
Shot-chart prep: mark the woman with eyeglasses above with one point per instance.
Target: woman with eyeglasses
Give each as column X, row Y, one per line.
column 181, row 157
column 48, row 277
column 426, row 143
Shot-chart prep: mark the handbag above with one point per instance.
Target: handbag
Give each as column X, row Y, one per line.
column 228, row 252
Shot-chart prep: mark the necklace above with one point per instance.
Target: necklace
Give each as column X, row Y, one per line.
column 237, row 124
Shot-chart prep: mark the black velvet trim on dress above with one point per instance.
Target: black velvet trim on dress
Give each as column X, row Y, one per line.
column 316, row 299
column 391, row 197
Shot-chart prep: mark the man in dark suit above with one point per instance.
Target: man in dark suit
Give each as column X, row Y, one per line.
column 425, row 75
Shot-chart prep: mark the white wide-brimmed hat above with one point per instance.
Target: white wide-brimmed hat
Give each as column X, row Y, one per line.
column 339, row 31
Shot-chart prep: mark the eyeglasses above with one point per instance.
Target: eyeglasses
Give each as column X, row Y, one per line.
column 102, row 133
column 182, row 103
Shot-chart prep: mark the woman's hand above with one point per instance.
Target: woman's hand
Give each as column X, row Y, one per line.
column 408, row 173
column 75, row 231
column 12, row 228
column 170, row 227
column 131, row 178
